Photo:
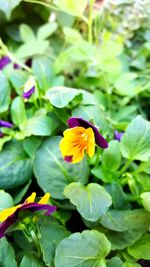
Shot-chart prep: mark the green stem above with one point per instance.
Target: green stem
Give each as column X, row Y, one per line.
column 90, row 22
column 125, row 167
column 12, row 57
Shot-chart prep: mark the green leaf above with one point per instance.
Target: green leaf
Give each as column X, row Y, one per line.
column 141, row 249
column 119, row 198
column 39, row 125
column 32, row 48
column 129, row 264
column 135, row 143
column 4, row 93
column 72, row 36
column 18, row 111
column 114, row 220
column 113, row 262
column 31, row 144
column 46, row 30
column 26, row 33
column 51, row 235
column 126, row 84
column 86, row 249
column 111, row 157
column 146, row 200
column 7, row 255
column 19, row 192
column 8, row 5
column 15, row 166
column 6, row 201
column 60, row 96
column 31, row 259
column 42, row 69
column 75, row 8
column 18, row 78
column 52, row 172
column 92, row 201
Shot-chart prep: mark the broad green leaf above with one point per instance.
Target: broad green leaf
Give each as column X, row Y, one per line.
column 39, row 125
column 6, row 201
column 71, row 35
column 31, row 259
column 52, row 172
column 32, row 48
column 18, row 112
column 92, row 201
column 86, row 249
column 46, row 30
column 31, row 144
column 119, row 198
column 42, row 69
column 19, row 192
column 75, row 8
column 114, row 262
column 146, row 200
column 105, row 53
column 4, row 93
column 129, row 264
column 26, row 33
column 122, row 240
column 111, row 157
column 8, row 5
column 135, row 143
column 60, row 96
column 126, row 84
column 7, row 255
column 141, row 249
column 15, row 166
column 51, row 235
column 114, row 220
column 18, row 78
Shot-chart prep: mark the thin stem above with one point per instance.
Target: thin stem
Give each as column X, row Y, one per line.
column 125, row 167
column 12, row 57
column 90, row 22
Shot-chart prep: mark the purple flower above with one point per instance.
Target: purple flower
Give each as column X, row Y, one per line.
column 6, row 124
column 27, row 95
column 118, row 135
column 4, row 61
column 99, row 139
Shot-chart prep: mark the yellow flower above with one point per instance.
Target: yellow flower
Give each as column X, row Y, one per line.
column 76, row 141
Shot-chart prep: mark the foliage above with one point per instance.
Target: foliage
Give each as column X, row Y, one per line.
column 87, row 59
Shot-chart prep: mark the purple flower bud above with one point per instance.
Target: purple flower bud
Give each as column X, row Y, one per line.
column 16, row 66
column 6, row 124
column 27, row 95
column 99, row 139
column 118, row 135
column 4, row 61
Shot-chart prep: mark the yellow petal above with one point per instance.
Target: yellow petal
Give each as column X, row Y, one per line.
column 4, row 214
column 44, row 199
column 31, row 198
column 91, row 142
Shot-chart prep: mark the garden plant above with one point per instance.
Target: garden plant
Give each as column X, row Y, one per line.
column 74, row 133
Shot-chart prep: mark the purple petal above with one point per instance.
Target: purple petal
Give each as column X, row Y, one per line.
column 6, row 124
column 16, row 66
column 99, row 139
column 33, row 207
column 68, row 158
column 4, row 61
column 118, row 135
column 28, row 94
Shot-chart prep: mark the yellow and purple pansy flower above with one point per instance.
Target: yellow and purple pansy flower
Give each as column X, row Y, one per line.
column 10, row 216
column 81, row 137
